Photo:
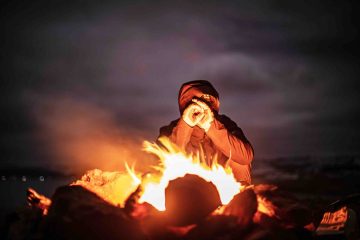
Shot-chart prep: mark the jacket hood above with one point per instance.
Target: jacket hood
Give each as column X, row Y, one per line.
column 200, row 89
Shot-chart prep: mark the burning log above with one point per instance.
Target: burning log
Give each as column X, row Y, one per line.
column 243, row 206
column 232, row 221
column 190, row 199
column 280, row 208
column 38, row 201
column 136, row 210
column 76, row 213
column 181, row 201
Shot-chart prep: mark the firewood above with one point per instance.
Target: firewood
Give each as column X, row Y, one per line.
column 190, row 199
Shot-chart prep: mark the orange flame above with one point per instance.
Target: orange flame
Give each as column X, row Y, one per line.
column 174, row 164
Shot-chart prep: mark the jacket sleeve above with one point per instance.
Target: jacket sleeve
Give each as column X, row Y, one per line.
column 178, row 132
column 230, row 140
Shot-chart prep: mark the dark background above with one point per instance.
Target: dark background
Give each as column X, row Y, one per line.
column 83, row 83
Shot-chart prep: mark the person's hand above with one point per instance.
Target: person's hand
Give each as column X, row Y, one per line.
column 208, row 115
column 193, row 114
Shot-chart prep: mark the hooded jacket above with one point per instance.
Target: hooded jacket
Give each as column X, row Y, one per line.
column 224, row 141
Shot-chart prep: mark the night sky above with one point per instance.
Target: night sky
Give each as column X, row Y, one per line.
column 84, row 82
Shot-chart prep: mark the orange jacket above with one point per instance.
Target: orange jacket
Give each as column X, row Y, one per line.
column 224, row 138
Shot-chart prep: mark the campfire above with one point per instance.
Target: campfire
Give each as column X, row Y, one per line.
column 179, row 197
column 175, row 164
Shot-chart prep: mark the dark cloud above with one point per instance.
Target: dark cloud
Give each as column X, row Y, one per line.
column 240, row 84
column 285, row 72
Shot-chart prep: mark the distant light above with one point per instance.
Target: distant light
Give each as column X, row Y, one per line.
column 23, row 178
column 41, row 178
column 3, row 178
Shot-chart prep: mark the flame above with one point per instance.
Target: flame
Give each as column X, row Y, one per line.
column 174, row 164
column 113, row 187
column 265, row 206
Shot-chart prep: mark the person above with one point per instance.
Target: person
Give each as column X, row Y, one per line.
column 201, row 129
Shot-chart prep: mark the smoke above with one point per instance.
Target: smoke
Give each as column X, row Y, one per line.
column 78, row 135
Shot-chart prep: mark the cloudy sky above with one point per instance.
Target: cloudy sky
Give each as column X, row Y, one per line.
column 84, row 82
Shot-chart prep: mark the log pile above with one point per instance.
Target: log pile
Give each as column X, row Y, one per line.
column 193, row 212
